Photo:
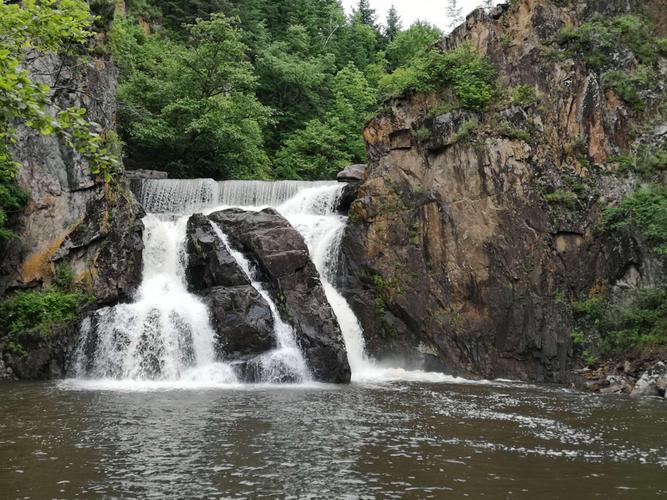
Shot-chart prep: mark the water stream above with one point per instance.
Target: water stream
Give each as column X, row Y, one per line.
column 165, row 337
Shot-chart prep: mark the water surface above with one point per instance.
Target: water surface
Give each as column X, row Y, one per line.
column 390, row 440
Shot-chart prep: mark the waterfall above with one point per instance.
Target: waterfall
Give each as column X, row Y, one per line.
column 165, row 335
column 165, row 332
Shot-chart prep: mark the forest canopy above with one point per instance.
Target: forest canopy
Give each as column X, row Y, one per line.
column 254, row 88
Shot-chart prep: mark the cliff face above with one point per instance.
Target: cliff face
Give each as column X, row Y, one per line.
column 71, row 217
column 453, row 254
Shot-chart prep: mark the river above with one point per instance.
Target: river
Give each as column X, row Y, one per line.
column 389, row 440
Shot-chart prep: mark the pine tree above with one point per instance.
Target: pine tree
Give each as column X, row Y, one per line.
column 365, row 14
column 393, row 24
column 454, row 13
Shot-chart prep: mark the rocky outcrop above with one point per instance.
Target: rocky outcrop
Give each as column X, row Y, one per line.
column 209, row 262
column 454, row 249
column 352, row 176
column 242, row 320
column 72, row 217
column 240, row 316
column 283, row 264
column 653, row 382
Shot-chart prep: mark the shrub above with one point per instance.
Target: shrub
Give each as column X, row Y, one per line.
column 39, row 310
column 470, row 76
column 646, row 209
column 422, row 134
column 629, row 86
column 597, row 40
column 524, row 95
column 565, row 198
column 622, row 329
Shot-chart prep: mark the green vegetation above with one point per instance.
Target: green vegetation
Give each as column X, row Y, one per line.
column 598, row 43
column 470, row 77
column 646, row 209
column 564, row 198
column 523, row 95
column 47, row 26
column 287, row 98
column 612, row 329
column 41, row 310
column 649, row 161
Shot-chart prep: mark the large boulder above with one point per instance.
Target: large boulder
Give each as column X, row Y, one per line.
column 283, row 263
column 653, row 382
column 209, row 263
column 242, row 321
column 352, row 173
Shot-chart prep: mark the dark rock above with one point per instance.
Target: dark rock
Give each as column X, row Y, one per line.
column 347, row 197
column 209, row 263
column 352, row 173
column 283, row 263
column 242, row 320
column 44, row 355
column 255, row 371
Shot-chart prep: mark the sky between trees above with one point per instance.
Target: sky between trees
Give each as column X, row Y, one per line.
column 432, row 11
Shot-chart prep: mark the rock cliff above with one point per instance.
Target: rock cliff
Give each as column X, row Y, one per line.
column 71, row 218
column 474, row 232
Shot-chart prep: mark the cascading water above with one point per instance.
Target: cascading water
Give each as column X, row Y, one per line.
column 286, row 361
column 166, row 335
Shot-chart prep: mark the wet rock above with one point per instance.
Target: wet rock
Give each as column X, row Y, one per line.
column 209, row 263
column 283, row 262
column 242, row 321
column 653, row 382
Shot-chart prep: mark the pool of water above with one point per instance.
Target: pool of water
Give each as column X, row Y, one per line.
column 389, row 440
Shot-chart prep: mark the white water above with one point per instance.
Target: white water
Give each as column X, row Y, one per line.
column 164, row 339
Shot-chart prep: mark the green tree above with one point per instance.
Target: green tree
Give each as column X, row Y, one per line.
column 409, row 44
column 190, row 109
column 394, row 26
column 324, row 146
column 365, row 14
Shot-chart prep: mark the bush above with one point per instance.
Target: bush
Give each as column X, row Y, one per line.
column 470, row 76
column 39, row 310
column 596, row 41
column 629, row 86
column 524, row 95
column 565, row 198
column 622, row 329
column 646, row 209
